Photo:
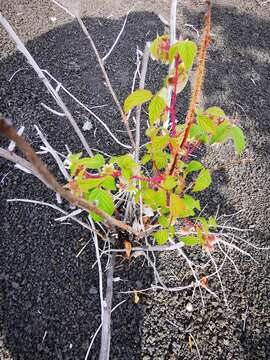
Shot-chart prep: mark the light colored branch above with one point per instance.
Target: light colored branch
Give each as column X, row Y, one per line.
column 173, row 9
column 55, row 95
column 24, row 164
column 106, row 321
column 107, row 80
column 139, row 108
column 42, row 170
column 53, row 153
column 61, row 86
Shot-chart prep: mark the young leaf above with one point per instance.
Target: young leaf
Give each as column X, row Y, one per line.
column 206, row 124
column 163, row 220
column 169, row 183
column 94, row 162
column 197, row 132
column 194, row 165
column 103, row 200
column 136, row 98
column 161, row 236
column 222, row 133
column 187, row 51
column 204, row 224
column 190, row 240
column 238, row 139
column 87, row 184
column 156, row 107
column 178, row 207
column 159, row 48
column 109, row 183
column 215, row 111
column 203, row 180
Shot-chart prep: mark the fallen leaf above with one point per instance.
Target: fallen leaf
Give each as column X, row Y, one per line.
column 190, row 343
column 204, row 282
column 128, row 248
column 136, row 297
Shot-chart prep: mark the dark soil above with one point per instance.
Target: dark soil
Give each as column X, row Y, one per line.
column 49, row 298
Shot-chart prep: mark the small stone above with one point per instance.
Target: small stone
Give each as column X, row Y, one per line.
column 189, row 307
column 15, row 285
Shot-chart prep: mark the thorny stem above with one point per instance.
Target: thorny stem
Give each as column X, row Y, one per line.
column 173, row 104
column 196, row 93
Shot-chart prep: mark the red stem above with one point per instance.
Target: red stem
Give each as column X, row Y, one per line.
column 173, row 104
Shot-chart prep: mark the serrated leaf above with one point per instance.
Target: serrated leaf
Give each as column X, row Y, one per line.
column 87, row 184
column 178, row 208
column 109, row 183
column 169, row 183
column 190, row 240
column 161, row 236
column 159, row 48
column 193, row 165
column 197, row 132
column 216, row 111
column 145, row 159
column 156, row 107
column 94, row 162
column 206, row 124
column 202, row 181
column 191, row 203
column 163, row 220
column 238, row 139
column 138, row 97
column 221, row 134
column 187, row 51
column 103, row 200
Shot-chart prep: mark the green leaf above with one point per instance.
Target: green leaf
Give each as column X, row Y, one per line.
column 145, row 159
column 206, row 124
column 156, row 107
column 238, row 139
column 193, row 166
column 87, row 184
column 161, row 236
column 222, row 133
column 203, row 180
column 103, row 200
column 73, row 157
column 159, row 142
column 212, row 222
column 138, row 97
column 94, row 162
column 163, row 220
column 178, row 207
column 126, row 163
column 197, row 132
column 215, row 111
column 190, row 240
column 187, row 51
column 109, row 183
column 159, row 48
column 154, row 199
column 191, row 203
column 169, row 183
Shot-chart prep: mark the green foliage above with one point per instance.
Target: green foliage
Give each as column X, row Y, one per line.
column 138, row 97
column 165, row 180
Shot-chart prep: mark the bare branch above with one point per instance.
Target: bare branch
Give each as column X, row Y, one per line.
column 106, row 321
column 107, row 80
column 139, row 108
column 42, row 170
column 45, row 81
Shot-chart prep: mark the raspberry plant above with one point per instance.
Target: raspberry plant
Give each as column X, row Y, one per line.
column 164, row 180
column 160, row 183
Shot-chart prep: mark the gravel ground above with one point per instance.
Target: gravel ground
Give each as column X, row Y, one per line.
column 49, row 298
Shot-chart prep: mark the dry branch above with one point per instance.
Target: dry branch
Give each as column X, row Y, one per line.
column 49, row 179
